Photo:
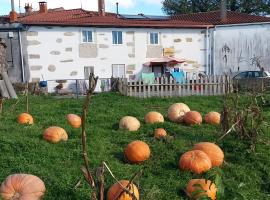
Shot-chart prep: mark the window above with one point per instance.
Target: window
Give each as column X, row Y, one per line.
column 241, row 75
column 117, row 37
column 87, row 71
column 153, row 38
column 87, row 36
column 118, row 71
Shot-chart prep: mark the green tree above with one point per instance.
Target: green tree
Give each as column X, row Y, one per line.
column 257, row 7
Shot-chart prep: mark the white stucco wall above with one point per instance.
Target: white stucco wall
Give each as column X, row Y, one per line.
column 235, row 47
column 47, row 50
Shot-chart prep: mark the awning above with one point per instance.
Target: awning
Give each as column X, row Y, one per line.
column 163, row 60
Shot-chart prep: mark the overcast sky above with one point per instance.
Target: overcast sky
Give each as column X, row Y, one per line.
column 152, row 7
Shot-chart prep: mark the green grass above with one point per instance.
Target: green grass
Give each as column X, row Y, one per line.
column 22, row 149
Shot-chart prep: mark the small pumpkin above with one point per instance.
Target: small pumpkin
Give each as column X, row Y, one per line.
column 153, row 117
column 212, row 118
column 129, row 123
column 116, row 189
column 137, row 151
column 177, row 111
column 74, row 120
column 197, row 188
column 25, row 118
column 22, row 187
column 193, row 118
column 196, row 161
column 213, row 151
column 55, row 134
column 160, row 133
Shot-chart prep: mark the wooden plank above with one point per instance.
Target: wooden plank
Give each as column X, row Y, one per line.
column 215, row 85
column 144, row 90
column 135, row 88
column 9, row 86
column 161, row 86
column 140, row 87
column 131, row 87
column 149, row 90
column 201, row 86
column 171, row 86
column 3, row 90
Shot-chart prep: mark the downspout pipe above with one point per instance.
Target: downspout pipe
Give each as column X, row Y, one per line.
column 207, row 50
column 21, row 54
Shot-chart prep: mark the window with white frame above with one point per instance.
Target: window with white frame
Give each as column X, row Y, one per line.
column 153, row 38
column 117, row 37
column 87, row 36
column 118, row 70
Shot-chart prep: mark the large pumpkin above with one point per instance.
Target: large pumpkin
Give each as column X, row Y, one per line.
column 177, row 111
column 55, row 134
column 115, row 190
column 74, row 120
column 137, row 151
column 198, row 188
column 213, row 151
column 212, row 118
column 193, row 118
column 153, row 117
column 196, row 161
column 129, row 123
column 22, row 187
column 25, row 118
column 160, row 133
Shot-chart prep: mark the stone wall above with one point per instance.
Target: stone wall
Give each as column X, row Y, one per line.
column 3, row 64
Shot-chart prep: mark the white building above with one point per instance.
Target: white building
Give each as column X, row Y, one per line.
column 69, row 44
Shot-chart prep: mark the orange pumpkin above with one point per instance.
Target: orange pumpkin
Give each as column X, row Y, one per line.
column 116, row 189
column 55, row 134
column 160, row 133
column 213, row 151
column 197, row 188
column 153, row 117
column 212, row 118
column 22, row 187
column 177, row 111
column 25, row 118
column 196, row 161
column 129, row 123
column 192, row 118
column 74, row 120
column 137, row 151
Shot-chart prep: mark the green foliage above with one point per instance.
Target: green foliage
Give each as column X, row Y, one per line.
column 173, row 7
column 245, row 175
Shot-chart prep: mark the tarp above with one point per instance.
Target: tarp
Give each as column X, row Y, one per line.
column 167, row 60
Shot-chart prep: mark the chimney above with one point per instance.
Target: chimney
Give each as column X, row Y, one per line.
column 28, row 8
column 13, row 17
column 101, row 8
column 43, row 7
column 223, row 11
column 117, row 8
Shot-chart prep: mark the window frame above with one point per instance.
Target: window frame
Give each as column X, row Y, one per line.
column 118, row 70
column 154, row 39
column 92, row 35
column 117, row 38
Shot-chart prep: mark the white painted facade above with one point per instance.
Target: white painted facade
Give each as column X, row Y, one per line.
column 54, row 52
column 238, row 47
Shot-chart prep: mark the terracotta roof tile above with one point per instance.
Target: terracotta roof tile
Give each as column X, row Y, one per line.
column 214, row 18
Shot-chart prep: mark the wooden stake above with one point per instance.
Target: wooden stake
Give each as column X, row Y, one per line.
column 26, row 95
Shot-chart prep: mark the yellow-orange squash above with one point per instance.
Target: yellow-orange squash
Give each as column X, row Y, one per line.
column 22, row 187
column 129, row 123
column 197, row 188
column 74, row 120
column 137, row 151
column 196, row 161
column 160, row 133
column 153, row 117
column 55, row 134
column 213, row 151
column 212, row 118
column 177, row 111
column 25, row 118
column 193, row 118
column 115, row 190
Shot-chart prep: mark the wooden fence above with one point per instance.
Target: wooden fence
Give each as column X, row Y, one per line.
column 167, row 87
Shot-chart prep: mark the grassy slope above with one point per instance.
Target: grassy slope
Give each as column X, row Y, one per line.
column 58, row 165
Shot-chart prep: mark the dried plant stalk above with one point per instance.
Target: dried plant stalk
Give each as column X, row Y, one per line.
column 86, row 169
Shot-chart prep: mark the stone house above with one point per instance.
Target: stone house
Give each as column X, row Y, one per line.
column 59, row 44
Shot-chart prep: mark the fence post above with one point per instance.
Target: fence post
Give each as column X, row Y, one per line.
column 77, row 93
